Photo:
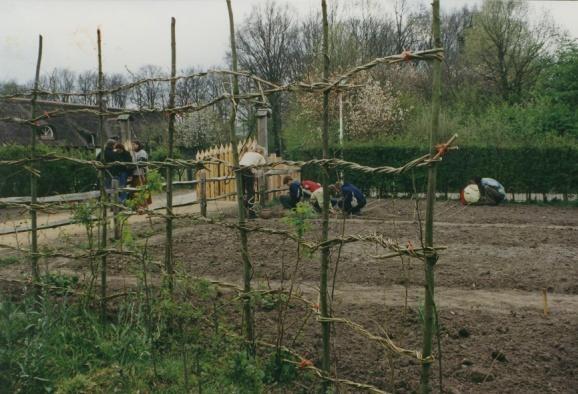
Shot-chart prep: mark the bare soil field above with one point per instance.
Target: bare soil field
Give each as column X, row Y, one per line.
column 489, row 292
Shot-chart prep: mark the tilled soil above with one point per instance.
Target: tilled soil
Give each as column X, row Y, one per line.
column 489, row 292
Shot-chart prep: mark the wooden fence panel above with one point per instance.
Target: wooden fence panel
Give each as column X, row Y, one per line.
column 221, row 179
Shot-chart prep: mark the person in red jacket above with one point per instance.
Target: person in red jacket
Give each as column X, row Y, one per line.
column 309, row 187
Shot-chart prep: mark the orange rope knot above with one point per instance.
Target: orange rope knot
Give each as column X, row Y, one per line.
column 410, row 248
column 305, row 363
column 442, row 149
column 406, row 55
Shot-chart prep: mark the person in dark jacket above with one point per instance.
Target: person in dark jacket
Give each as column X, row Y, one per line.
column 122, row 171
column 491, row 191
column 107, row 156
column 289, row 201
column 352, row 199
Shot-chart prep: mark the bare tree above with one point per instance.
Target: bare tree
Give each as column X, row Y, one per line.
column 151, row 94
column 268, row 46
column 117, row 99
column 87, row 82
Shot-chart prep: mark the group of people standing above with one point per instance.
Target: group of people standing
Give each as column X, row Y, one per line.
column 126, row 174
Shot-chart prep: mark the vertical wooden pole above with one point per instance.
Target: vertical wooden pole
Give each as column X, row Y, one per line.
column 431, row 259
column 33, row 179
column 169, row 269
column 101, row 175
column 203, row 192
column 115, row 200
column 323, row 301
column 247, row 268
column 263, row 129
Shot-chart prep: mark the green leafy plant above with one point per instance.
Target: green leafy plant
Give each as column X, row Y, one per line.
column 299, row 218
column 8, row 260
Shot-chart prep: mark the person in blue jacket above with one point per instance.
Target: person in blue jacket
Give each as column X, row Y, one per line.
column 352, row 199
column 289, row 201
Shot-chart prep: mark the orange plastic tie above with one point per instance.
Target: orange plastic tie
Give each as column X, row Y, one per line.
column 406, row 55
column 305, row 363
column 442, row 149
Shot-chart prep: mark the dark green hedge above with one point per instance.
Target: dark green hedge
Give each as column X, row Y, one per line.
column 57, row 177
column 519, row 169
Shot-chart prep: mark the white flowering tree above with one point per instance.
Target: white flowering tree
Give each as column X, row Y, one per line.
column 200, row 130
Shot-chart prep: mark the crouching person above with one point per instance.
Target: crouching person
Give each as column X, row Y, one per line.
column 289, row 201
column 316, row 199
column 352, row 199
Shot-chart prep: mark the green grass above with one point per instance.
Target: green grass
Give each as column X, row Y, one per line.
column 8, row 260
column 55, row 345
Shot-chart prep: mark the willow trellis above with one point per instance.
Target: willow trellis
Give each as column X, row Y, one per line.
column 223, row 162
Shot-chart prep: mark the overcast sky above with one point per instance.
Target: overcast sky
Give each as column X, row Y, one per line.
column 137, row 32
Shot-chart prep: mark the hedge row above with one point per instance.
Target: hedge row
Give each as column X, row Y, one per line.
column 56, row 177
column 519, row 169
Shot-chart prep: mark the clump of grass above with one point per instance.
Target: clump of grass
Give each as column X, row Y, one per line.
column 8, row 260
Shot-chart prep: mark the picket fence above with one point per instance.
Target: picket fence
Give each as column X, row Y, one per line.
column 220, row 178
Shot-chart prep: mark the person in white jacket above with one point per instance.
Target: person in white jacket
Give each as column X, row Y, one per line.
column 250, row 159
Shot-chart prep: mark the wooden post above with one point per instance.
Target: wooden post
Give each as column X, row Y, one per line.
column 115, row 200
column 33, row 179
column 262, row 129
column 169, row 170
column 323, row 301
column 247, row 268
column 431, row 258
column 103, row 194
column 545, row 298
column 262, row 180
column 125, row 135
column 203, row 192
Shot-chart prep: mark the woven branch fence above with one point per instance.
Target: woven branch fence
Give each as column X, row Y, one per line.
column 223, row 163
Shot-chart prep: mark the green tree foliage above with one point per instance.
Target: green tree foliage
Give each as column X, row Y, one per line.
column 507, row 51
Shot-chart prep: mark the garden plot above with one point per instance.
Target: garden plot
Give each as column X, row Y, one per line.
column 490, row 291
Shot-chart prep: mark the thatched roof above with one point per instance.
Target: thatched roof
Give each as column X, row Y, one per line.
column 74, row 130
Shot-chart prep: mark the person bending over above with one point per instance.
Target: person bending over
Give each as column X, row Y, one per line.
column 316, row 199
column 352, row 199
column 289, row 201
column 309, row 187
column 491, row 191
column 250, row 159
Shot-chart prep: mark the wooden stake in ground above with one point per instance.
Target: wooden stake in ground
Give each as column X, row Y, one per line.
column 431, row 259
column 33, row 178
column 101, row 176
column 324, row 307
column 545, row 297
column 169, row 266
column 247, row 268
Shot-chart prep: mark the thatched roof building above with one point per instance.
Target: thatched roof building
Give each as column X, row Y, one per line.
column 74, row 130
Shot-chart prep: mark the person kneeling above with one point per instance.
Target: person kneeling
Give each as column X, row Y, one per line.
column 483, row 191
column 316, row 199
column 289, row 201
column 352, row 199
